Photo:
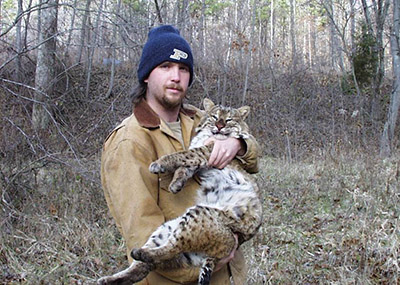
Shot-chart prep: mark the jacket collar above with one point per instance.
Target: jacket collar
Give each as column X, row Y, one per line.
column 147, row 118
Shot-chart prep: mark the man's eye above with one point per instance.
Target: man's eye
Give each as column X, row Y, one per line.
column 184, row 68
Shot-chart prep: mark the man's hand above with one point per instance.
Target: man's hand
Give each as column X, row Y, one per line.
column 227, row 259
column 224, row 151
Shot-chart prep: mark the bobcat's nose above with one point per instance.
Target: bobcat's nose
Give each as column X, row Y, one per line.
column 220, row 124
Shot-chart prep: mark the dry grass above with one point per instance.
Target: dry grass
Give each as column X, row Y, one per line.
column 326, row 221
column 61, row 233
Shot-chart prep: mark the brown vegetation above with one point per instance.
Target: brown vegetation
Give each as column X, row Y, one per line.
column 328, row 215
column 317, row 75
column 329, row 221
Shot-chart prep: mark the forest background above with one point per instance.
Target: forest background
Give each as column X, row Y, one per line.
column 321, row 77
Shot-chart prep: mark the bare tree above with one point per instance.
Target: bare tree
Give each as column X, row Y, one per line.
column 85, row 30
column 91, row 49
column 336, row 29
column 18, row 41
column 158, row 10
column 1, row 22
column 386, row 143
column 71, row 29
column 380, row 9
column 45, row 66
column 202, row 33
column 272, row 34
column 249, row 60
column 113, row 51
column 27, row 23
column 183, row 14
column 293, row 34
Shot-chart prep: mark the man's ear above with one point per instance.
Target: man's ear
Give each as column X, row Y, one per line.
column 208, row 104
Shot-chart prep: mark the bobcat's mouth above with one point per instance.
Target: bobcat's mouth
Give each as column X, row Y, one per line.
column 220, row 134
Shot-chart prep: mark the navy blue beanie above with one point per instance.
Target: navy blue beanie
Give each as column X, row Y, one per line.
column 164, row 44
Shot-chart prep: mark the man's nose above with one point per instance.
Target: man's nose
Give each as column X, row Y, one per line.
column 175, row 74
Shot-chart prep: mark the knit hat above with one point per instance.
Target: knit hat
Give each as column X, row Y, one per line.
column 164, row 44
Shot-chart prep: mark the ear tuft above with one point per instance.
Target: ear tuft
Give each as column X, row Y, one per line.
column 244, row 111
column 208, row 104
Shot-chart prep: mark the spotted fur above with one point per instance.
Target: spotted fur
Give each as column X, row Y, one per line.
column 228, row 203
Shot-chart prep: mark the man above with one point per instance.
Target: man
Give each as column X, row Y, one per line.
column 160, row 124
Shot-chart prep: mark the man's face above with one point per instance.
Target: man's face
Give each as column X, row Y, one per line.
column 167, row 84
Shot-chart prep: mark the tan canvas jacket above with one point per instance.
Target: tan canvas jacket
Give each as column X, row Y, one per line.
column 140, row 201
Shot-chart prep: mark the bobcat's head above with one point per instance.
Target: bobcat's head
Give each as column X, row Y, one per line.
column 224, row 122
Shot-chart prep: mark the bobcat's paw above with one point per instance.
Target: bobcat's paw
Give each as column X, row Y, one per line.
column 102, row 281
column 156, row 168
column 110, row 280
column 176, row 186
column 141, row 255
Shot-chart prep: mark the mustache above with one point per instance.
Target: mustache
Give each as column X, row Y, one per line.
column 174, row 86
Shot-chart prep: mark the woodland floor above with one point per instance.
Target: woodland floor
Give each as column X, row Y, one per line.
column 331, row 220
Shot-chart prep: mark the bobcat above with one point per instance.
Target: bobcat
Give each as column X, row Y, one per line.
column 228, row 203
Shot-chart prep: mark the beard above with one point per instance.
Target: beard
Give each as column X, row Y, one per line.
column 169, row 100
column 169, row 96
column 171, row 104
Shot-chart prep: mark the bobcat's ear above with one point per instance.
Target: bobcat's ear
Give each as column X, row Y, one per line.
column 244, row 111
column 208, row 104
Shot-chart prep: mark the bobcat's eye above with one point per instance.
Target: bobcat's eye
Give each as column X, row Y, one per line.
column 215, row 117
column 228, row 120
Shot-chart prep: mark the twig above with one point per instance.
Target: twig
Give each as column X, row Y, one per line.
column 25, row 135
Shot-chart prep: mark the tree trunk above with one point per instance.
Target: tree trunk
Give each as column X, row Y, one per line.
column 248, row 62
column 114, row 54
column 386, row 143
column 18, row 42
column 313, row 42
column 293, row 35
column 381, row 14
column 1, row 20
column 84, row 29
column 25, row 43
column 272, row 36
column 332, row 41
column 71, row 29
column 202, row 29
column 183, row 9
column 380, row 10
column 92, row 48
column 158, row 10
column 352, row 26
column 45, row 66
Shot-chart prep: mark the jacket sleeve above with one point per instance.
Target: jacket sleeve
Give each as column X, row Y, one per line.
column 131, row 192
column 249, row 160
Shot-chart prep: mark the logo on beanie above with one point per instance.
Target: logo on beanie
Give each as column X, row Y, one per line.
column 178, row 54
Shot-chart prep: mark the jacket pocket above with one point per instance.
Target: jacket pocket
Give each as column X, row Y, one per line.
column 164, row 180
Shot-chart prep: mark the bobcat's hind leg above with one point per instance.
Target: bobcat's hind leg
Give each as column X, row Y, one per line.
column 151, row 255
column 174, row 243
column 134, row 273
column 206, row 271
column 188, row 236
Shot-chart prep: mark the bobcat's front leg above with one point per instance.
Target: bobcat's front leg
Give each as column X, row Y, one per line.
column 184, row 163
column 188, row 158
